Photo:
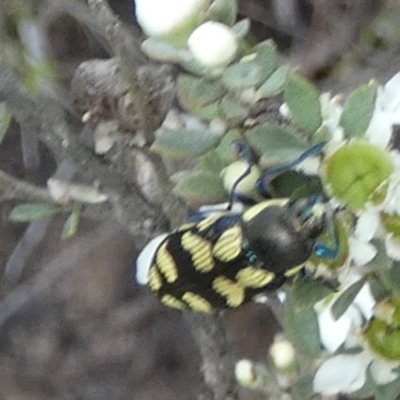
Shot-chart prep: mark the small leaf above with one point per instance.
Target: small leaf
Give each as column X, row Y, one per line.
column 303, row 388
column 302, row 326
column 306, row 292
column 274, row 84
column 241, row 28
column 388, row 391
column 72, row 223
column 251, row 72
column 194, row 93
column 5, row 118
column 29, row 212
column 160, row 50
column 201, row 187
column 232, row 110
column 226, row 149
column 302, row 99
column 224, row 11
column 212, row 162
column 344, row 301
column 358, row 110
column 185, row 142
column 209, row 112
column 277, row 142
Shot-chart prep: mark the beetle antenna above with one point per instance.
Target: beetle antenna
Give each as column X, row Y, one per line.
column 272, row 172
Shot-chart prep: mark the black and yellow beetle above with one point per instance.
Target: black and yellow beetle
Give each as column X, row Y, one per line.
column 229, row 257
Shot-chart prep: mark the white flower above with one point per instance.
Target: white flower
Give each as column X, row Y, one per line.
column 161, row 17
column 334, row 333
column 346, row 373
column 213, row 44
column 386, row 113
column 343, row 373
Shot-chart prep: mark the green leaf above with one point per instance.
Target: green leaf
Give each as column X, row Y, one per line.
column 344, row 301
column 5, row 118
column 212, row 162
column 276, row 142
column 209, row 112
column 389, row 391
column 358, row 110
column 302, row 326
column 303, row 101
column 241, row 28
column 232, row 110
column 201, row 187
column 29, row 212
column 303, row 388
column 226, row 150
column 72, row 223
column 274, row 84
column 306, row 292
column 390, row 278
column 253, row 69
column 224, row 11
column 160, row 50
column 185, row 142
column 195, row 93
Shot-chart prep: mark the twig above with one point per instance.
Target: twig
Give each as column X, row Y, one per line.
column 217, row 355
column 16, row 189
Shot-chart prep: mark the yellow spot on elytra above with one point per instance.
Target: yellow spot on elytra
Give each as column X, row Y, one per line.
column 155, row 281
column 166, row 264
column 293, row 271
column 232, row 291
column 196, row 302
column 207, row 222
column 229, row 244
column 254, row 277
column 200, row 250
column 253, row 211
column 172, row 301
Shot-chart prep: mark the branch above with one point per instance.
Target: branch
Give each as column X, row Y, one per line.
column 217, row 355
column 16, row 189
column 47, row 122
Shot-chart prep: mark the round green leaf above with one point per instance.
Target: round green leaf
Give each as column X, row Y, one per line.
column 306, row 292
column 276, row 142
column 224, row 11
column 212, row 162
column 274, row 84
column 232, row 110
column 32, row 211
column 251, row 70
column 358, row 110
column 302, row 326
column 241, row 28
column 194, row 93
column 201, row 187
column 303, row 101
column 226, row 150
column 185, row 142
column 159, row 50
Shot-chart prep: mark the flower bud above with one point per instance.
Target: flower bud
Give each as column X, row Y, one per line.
column 247, row 184
column 172, row 20
column 213, row 45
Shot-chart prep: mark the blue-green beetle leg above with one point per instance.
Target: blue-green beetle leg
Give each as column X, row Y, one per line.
column 322, row 249
column 263, row 181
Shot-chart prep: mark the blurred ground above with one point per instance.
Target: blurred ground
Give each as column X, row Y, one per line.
column 92, row 333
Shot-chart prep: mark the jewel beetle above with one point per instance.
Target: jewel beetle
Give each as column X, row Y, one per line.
column 229, row 257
